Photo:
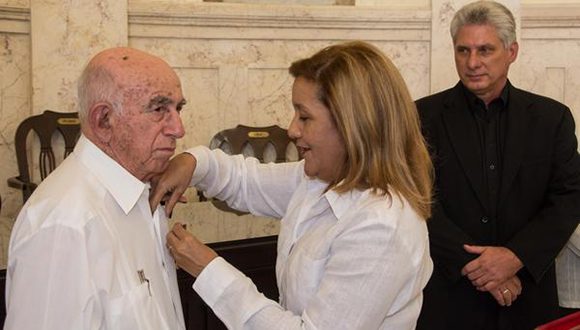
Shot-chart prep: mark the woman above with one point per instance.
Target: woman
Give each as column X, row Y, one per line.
column 353, row 249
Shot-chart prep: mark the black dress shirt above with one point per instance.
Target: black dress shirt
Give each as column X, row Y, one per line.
column 490, row 122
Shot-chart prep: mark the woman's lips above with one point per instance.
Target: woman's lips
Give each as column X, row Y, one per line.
column 302, row 150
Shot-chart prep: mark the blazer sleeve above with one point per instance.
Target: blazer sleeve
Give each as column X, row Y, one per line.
column 446, row 238
column 547, row 232
column 446, row 242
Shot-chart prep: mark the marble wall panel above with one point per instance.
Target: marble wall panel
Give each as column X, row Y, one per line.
column 270, row 101
column 14, row 107
column 247, row 82
column 15, row 3
column 78, row 30
column 200, row 115
column 395, row 3
column 551, row 73
column 555, row 85
column 15, row 85
column 283, row 2
column 412, row 59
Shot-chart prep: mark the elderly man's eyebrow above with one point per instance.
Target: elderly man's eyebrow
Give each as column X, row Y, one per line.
column 159, row 101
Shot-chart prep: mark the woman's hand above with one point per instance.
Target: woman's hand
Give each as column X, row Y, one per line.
column 189, row 253
column 170, row 185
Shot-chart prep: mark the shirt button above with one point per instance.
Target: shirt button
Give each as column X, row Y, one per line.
column 484, row 219
column 492, row 167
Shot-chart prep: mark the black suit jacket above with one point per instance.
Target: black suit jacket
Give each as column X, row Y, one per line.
column 539, row 207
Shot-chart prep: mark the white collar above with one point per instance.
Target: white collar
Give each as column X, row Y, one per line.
column 339, row 203
column 125, row 188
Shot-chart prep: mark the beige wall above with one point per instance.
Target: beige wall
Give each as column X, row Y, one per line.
column 232, row 58
column 396, row 3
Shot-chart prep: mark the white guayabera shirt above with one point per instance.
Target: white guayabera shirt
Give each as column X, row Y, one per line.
column 568, row 272
column 86, row 252
column 345, row 261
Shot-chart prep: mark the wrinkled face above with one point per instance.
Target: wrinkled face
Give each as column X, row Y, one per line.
column 482, row 61
column 317, row 138
column 145, row 130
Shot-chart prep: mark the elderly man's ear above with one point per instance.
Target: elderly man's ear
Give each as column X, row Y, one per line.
column 101, row 121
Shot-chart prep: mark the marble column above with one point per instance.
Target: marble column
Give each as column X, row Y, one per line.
column 443, row 73
column 65, row 35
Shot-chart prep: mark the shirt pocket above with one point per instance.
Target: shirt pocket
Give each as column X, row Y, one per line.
column 136, row 309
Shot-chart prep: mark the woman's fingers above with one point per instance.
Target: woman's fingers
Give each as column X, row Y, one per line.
column 171, row 185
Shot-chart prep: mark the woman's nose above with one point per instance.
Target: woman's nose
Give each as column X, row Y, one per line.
column 293, row 129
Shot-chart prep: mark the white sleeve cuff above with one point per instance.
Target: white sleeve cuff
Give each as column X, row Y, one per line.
column 202, row 166
column 214, row 279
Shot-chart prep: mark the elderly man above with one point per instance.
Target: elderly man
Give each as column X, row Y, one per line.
column 86, row 251
column 507, row 185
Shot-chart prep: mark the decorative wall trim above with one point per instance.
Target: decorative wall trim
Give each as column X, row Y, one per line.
column 237, row 21
column 548, row 22
column 219, row 20
column 14, row 20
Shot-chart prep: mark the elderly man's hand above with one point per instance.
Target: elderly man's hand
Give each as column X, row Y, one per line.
column 494, row 266
column 189, row 253
column 171, row 185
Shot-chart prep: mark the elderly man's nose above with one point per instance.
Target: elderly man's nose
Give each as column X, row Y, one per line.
column 175, row 125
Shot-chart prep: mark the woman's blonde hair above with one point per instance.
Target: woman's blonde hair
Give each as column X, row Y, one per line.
column 378, row 120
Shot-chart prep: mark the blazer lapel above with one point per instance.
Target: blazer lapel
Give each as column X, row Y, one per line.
column 464, row 139
column 515, row 140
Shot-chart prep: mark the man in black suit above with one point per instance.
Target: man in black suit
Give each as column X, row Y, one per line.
column 507, row 185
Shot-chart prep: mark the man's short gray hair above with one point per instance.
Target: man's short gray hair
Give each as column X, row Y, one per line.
column 97, row 84
column 486, row 13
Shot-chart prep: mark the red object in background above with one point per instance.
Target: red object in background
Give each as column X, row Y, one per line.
column 568, row 322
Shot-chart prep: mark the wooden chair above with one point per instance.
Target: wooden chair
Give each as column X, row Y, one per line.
column 267, row 144
column 258, row 142
column 44, row 126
